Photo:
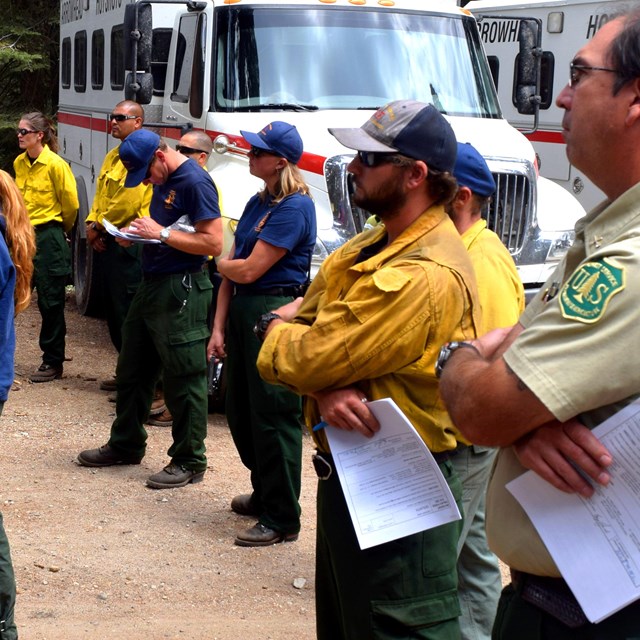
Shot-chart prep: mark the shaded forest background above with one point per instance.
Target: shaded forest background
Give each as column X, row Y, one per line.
column 28, row 66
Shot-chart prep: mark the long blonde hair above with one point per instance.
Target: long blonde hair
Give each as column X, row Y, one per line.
column 20, row 238
column 291, row 181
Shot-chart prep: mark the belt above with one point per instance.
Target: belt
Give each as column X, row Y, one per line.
column 151, row 277
column 324, row 466
column 551, row 595
column 47, row 225
column 294, row 291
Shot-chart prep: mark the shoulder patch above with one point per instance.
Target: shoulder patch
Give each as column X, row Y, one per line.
column 587, row 293
column 390, row 279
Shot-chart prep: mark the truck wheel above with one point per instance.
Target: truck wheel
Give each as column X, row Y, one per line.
column 85, row 272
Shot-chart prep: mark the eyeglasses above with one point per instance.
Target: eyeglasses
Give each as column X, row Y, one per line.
column 120, row 117
column 188, row 151
column 256, row 152
column 376, row 158
column 24, row 132
column 147, row 175
column 577, row 71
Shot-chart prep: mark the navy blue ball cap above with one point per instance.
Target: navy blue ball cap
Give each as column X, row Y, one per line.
column 136, row 152
column 414, row 129
column 280, row 138
column 471, row 171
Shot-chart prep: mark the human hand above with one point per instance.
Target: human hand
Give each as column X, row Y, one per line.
column 491, row 342
column 95, row 239
column 347, row 409
column 290, row 310
column 145, row 227
column 216, row 346
column 555, row 449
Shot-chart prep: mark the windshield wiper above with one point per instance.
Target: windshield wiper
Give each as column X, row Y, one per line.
column 286, row 106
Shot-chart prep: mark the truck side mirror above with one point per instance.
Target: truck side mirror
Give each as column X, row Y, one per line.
column 138, row 38
column 138, row 35
column 527, row 76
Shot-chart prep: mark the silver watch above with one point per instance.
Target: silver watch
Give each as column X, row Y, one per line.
column 447, row 350
column 164, row 234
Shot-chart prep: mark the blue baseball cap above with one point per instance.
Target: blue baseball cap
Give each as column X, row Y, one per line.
column 278, row 137
column 414, row 129
column 136, row 152
column 472, row 171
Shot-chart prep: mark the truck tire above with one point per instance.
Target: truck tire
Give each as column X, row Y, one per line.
column 86, row 278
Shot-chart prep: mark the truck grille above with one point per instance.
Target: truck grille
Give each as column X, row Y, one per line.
column 509, row 212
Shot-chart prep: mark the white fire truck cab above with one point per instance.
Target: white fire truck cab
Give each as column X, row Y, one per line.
column 565, row 27
column 225, row 65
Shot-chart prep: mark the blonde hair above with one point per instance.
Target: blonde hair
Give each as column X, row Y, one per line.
column 20, row 238
column 40, row 122
column 291, row 181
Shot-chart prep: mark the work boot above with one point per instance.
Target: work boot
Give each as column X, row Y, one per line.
column 262, row 536
column 174, row 476
column 46, row 373
column 106, row 457
column 109, row 384
column 157, row 405
column 244, row 506
column 165, row 419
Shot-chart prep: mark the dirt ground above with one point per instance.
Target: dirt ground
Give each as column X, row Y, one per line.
column 98, row 555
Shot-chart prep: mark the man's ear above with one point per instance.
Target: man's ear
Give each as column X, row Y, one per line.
column 633, row 112
column 464, row 195
column 417, row 174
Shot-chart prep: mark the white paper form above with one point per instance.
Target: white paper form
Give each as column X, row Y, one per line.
column 595, row 541
column 132, row 237
column 392, row 484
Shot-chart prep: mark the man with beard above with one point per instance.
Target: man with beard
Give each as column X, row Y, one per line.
column 366, row 330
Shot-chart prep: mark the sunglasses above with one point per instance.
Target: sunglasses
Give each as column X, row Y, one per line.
column 120, row 117
column 375, row 158
column 153, row 159
column 188, row 151
column 23, row 132
column 256, row 152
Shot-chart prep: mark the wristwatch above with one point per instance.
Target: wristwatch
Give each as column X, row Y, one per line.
column 447, row 350
column 263, row 322
column 164, row 234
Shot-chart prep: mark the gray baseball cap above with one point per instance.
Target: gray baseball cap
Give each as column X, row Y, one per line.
column 414, row 129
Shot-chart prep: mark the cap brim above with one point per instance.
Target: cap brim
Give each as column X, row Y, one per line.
column 359, row 140
column 255, row 140
column 134, row 178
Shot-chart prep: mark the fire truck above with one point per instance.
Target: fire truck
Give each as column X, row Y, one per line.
column 565, row 27
column 225, row 65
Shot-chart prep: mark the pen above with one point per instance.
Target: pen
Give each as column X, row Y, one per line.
column 321, row 425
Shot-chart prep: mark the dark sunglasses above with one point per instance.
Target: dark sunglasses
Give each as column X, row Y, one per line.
column 375, row 158
column 23, row 132
column 153, row 159
column 188, row 151
column 120, row 117
column 256, row 152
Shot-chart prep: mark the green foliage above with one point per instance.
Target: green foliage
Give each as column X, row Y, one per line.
column 28, row 66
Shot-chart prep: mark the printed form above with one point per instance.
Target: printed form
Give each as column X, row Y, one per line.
column 391, row 482
column 595, row 541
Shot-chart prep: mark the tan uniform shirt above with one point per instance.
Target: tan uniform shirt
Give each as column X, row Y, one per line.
column 577, row 354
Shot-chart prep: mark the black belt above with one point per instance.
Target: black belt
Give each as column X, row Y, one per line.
column 551, row 595
column 48, row 225
column 151, row 277
column 294, row 291
column 323, row 462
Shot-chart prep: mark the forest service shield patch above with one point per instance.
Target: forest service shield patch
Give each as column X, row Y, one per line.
column 588, row 292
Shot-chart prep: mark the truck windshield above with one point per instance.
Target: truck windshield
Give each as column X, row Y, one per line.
column 278, row 58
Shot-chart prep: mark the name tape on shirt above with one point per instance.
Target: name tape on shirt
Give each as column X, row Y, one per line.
column 587, row 293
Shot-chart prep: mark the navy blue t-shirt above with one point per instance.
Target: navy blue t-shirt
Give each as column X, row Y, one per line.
column 188, row 191
column 289, row 224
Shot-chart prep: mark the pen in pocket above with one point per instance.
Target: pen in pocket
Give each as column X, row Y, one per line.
column 321, row 425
